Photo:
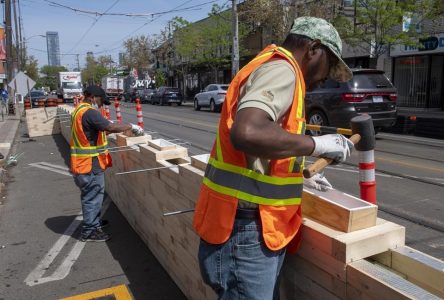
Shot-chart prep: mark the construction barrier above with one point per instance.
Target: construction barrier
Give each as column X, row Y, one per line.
column 107, row 114
column 139, row 113
column 346, row 251
column 51, row 102
column 27, row 104
column 41, row 103
column 117, row 107
column 59, row 101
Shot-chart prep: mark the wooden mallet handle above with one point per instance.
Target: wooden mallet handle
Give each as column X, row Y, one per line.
column 321, row 163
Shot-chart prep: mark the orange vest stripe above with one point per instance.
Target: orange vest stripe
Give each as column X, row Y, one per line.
column 227, row 178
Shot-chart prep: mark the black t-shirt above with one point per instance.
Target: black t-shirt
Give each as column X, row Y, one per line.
column 93, row 122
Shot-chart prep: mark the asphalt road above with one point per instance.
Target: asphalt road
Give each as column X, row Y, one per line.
column 38, row 257
column 409, row 170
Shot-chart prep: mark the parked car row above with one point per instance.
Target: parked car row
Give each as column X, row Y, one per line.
column 332, row 104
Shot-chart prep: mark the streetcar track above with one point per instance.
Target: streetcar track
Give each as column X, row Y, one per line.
column 409, row 155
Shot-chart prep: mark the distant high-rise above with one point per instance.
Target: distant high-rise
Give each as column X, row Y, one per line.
column 121, row 58
column 52, row 44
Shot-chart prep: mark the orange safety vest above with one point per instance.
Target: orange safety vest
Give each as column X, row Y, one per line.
column 228, row 179
column 81, row 150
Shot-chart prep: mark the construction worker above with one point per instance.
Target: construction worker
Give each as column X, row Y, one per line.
column 248, row 211
column 90, row 158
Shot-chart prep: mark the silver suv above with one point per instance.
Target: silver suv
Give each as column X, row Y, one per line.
column 213, row 96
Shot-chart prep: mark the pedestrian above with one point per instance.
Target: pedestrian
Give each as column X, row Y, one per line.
column 90, row 158
column 248, row 211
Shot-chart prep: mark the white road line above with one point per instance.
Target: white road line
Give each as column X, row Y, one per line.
column 35, row 277
column 53, row 169
column 64, row 168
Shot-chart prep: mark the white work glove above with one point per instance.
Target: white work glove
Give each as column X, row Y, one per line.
column 334, row 146
column 137, row 130
column 318, row 182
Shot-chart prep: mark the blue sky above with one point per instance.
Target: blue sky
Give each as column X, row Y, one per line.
column 108, row 33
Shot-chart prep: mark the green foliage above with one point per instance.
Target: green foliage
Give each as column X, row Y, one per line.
column 378, row 23
column 138, row 52
column 96, row 69
column 50, row 76
column 31, row 67
column 205, row 43
column 160, row 78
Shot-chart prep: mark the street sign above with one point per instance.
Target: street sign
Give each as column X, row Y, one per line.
column 21, row 83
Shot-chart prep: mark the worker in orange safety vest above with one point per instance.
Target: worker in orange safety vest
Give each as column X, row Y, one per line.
column 90, row 158
column 248, row 211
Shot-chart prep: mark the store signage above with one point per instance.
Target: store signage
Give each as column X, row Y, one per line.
column 432, row 44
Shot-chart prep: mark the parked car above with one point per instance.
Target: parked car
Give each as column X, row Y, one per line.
column 368, row 92
column 36, row 96
column 212, row 96
column 146, row 95
column 167, row 95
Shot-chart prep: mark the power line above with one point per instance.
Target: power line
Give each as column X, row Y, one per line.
column 92, row 25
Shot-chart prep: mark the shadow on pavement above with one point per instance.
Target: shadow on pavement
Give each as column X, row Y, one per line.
column 60, row 223
column 63, row 148
column 147, row 279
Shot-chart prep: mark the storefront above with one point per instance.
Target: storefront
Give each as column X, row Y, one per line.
column 418, row 73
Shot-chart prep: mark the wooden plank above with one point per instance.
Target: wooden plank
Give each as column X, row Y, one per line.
column 316, row 274
column 154, row 154
column 42, row 121
column 338, row 210
column 200, row 161
column 380, row 283
column 367, row 242
column 161, row 144
column 419, row 268
column 308, row 286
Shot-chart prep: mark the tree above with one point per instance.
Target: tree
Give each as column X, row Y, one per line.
column 31, row 67
column 50, row 76
column 377, row 24
column 138, row 52
column 95, row 70
column 272, row 17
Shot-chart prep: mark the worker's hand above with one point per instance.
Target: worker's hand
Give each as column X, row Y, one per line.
column 334, row 146
column 137, row 130
column 318, row 182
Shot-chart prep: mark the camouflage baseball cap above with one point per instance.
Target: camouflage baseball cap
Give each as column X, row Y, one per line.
column 319, row 29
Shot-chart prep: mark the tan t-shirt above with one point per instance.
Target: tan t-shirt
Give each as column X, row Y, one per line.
column 271, row 88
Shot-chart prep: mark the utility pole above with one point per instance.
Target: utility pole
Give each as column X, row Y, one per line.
column 235, row 29
column 22, row 45
column 78, row 62
column 17, row 38
column 8, row 28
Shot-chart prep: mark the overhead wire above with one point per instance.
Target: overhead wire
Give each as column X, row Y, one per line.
column 92, row 25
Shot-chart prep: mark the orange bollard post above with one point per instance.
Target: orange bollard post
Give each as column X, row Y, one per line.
column 118, row 114
column 139, row 113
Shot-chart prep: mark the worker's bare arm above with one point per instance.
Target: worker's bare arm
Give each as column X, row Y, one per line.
column 115, row 128
column 254, row 133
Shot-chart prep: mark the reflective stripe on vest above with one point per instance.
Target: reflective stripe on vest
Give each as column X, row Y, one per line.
column 251, row 186
column 77, row 149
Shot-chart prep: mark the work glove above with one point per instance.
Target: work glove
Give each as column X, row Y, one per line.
column 137, row 130
column 333, row 146
column 318, row 182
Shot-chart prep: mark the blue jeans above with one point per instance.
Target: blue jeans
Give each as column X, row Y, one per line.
column 243, row 267
column 92, row 190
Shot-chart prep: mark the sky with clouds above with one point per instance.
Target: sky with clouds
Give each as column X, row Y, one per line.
column 103, row 35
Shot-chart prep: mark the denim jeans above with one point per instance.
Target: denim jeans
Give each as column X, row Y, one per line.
column 243, row 267
column 92, row 190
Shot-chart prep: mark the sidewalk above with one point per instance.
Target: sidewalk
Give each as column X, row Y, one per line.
column 8, row 129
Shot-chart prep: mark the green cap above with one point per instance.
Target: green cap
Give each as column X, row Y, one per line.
column 319, row 29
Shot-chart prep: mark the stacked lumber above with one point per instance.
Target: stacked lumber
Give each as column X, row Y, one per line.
column 346, row 253
column 42, row 121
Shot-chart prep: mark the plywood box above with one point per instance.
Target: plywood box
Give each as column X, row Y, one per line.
column 338, row 210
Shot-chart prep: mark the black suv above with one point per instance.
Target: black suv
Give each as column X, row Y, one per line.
column 167, row 95
column 368, row 92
